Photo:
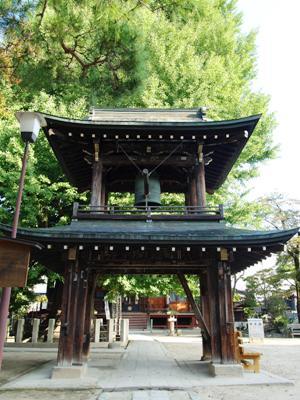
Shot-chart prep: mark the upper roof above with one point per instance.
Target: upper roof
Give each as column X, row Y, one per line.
column 72, row 141
column 145, row 115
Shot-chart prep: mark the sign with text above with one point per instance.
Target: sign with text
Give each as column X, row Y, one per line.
column 256, row 328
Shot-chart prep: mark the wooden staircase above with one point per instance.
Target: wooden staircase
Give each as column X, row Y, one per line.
column 137, row 320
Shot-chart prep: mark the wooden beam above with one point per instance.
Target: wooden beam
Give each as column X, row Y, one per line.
column 194, row 305
column 116, row 160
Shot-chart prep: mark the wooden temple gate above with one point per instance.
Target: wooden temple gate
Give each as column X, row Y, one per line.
column 175, row 151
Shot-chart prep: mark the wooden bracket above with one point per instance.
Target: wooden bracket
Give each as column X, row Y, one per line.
column 200, row 153
column 224, row 254
column 97, row 151
column 72, row 253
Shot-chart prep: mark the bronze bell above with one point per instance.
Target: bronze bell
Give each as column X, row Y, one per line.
column 147, row 190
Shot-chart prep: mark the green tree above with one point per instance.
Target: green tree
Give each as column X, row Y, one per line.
column 264, row 290
column 281, row 213
column 61, row 56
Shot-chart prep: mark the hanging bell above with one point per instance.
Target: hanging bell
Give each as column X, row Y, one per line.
column 147, row 190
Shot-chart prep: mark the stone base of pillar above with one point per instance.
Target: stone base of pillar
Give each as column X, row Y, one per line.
column 114, row 345
column 73, row 372
column 229, row 370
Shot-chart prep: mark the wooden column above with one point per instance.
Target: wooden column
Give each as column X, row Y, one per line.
column 193, row 192
column 80, row 316
column 89, row 313
column 197, row 182
column 206, row 347
column 96, row 189
column 103, row 194
column 230, row 314
column 200, row 182
column 213, row 289
column 68, row 315
column 221, row 313
column 187, row 199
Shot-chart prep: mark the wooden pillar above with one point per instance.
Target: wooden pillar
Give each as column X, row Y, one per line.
column 187, row 199
column 193, row 192
column 213, row 289
column 197, row 182
column 54, row 296
column 89, row 313
column 68, row 314
column 230, row 314
column 103, row 194
column 200, row 183
column 221, row 313
column 96, row 189
column 206, row 346
column 80, row 316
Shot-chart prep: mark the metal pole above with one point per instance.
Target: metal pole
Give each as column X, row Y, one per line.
column 6, row 292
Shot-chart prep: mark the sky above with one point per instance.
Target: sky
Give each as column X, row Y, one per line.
column 278, row 75
column 277, row 24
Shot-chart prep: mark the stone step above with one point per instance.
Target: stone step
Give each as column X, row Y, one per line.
column 136, row 320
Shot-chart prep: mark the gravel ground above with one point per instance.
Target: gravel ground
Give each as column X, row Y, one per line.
column 280, row 357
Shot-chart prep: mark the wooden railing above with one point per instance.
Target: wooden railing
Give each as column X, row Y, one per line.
column 148, row 213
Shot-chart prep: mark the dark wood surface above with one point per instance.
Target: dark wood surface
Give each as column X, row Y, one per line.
column 81, row 294
column 204, row 297
column 96, row 188
column 14, row 261
column 89, row 313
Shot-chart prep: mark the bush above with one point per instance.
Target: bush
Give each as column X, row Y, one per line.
column 281, row 323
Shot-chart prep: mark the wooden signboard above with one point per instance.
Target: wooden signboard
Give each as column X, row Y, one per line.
column 14, row 262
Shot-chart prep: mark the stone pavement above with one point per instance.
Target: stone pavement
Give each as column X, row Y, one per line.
column 145, row 364
column 151, row 395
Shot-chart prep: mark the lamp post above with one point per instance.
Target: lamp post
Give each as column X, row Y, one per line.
column 30, row 124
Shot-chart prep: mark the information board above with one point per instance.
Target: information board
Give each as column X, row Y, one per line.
column 256, row 328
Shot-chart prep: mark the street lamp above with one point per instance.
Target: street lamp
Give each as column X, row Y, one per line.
column 30, row 125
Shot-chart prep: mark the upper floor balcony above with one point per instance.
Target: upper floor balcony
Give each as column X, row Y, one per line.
column 168, row 213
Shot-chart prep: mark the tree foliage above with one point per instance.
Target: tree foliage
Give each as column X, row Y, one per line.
column 282, row 213
column 265, row 295
column 63, row 56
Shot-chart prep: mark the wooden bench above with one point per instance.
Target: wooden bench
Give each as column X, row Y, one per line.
column 294, row 329
column 249, row 360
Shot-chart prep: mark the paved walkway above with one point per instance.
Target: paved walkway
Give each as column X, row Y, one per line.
column 152, row 395
column 147, row 364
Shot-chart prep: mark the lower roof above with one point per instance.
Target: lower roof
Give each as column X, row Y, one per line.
column 185, row 232
column 247, row 247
